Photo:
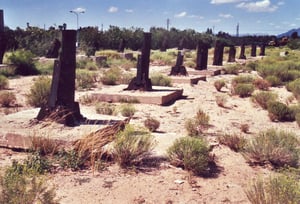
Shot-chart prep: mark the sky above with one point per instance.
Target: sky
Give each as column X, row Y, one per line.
column 251, row 16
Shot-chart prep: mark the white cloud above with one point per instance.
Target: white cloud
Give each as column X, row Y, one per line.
column 280, row 3
column 215, row 20
column 258, row 6
column 79, row 10
column 181, row 15
column 224, row 1
column 113, row 9
column 222, row 15
column 128, row 10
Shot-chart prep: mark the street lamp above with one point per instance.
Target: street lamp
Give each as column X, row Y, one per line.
column 77, row 21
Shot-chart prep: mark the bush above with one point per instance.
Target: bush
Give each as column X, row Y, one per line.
column 280, row 112
column 192, row 154
column 273, row 80
column 127, row 110
column 111, row 76
column 278, row 148
column 163, row 58
column 44, row 145
column 261, row 84
column 243, row 79
column 110, row 54
column 234, row 142
column 158, row 79
column 39, row 92
column 196, row 125
column 85, row 79
column 3, row 82
column 294, row 87
column 219, row 84
column 221, row 101
column 244, row 90
column 70, row 159
column 151, row 124
column 7, row 99
column 279, row 189
column 132, row 145
column 23, row 60
column 190, row 64
column 105, row 108
column 263, row 98
column 233, row 69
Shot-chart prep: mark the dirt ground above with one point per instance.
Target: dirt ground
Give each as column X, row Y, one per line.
column 165, row 183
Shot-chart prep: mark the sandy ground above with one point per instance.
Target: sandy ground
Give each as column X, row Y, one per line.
column 165, row 183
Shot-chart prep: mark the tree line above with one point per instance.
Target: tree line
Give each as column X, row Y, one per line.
column 91, row 39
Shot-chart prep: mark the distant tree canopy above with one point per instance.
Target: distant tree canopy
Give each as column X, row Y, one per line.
column 38, row 40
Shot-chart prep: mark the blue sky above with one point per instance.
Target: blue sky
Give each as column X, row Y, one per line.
column 253, row 16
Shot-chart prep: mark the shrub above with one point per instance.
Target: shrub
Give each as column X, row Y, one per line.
column 192, row 154
column 111, row 76
column 23, row 60
column 234, row 142
column 111, row 54
column 44, row 145
column 163, row 58
column 243, row 79
column 233, row 69
column 127, row 110
column 88, row 99
column 17, row 187
column 252, row 65
column 158, row 79
column 151, row 124
column 244, row 90
column 85, row 79
column 273, row 80
column 105, row 108
column 280, row 112
column 263, row 98
column 132, row 145
column 195, row 126
column 279, row 189
column 219, row 84
column 70, row 159
column 3, row 82
column 39, row 92
column 45, row 67
column 189, row 63
column 261, row 84
column 294, row 87
column 7, row 99
column 278, row 148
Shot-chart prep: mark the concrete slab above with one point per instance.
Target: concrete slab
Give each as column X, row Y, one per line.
column 207, row 72
column 188, row 79
column 158, row 96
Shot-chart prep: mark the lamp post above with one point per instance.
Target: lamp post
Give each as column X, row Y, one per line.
column 77, row 23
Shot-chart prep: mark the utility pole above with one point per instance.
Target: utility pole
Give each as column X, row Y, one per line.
column 168, row 24
column 237, row 30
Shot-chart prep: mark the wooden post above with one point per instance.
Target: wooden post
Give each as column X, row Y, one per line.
column 253, row 50
column 242, row 54
column 231, row 54
column 2, row 37
column 202, row 56
column 179, row 69
column 218, row 53
column 142, row 80
column 262, row 50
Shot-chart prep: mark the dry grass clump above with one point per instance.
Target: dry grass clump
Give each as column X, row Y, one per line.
column 127, row 109
column 151, row 124
column 221, row 100
column 233, row 141
column 45, row 145
column 90, row 147
column 7, row 99
column 195, row 126
column 85, row 79
column 39, row 92
column 264, row 97
column 244, row 128
column 3, row 82
column 111, row 76
column 280, row 112
column 278, row 148
column 158, row 79
column 105, row 108
column 132, row 145
column 242, row 86
column 261, row 84
column 219, row 84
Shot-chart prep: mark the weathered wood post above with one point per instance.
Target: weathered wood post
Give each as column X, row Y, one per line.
column 2, row 37
column 142, row 80
column 53, row 52
column 61, row 105
column 122, row 45
column 231, row 54
column 179, row 69
column 218, row 53
column 262, row 50
column 202, row 55
column 242, row 53
column 164, row 45
column 253, row 50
